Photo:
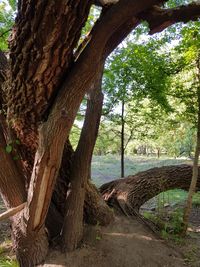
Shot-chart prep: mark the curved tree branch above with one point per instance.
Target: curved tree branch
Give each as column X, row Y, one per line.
column 159, row 18
column 132, row 192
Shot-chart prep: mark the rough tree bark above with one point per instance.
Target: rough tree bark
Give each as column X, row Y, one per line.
column 130, row 193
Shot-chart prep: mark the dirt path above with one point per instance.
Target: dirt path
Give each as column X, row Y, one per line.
column 125, row 243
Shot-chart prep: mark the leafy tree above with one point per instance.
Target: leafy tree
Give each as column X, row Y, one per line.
column 134, row 72
column 7, row 14
column 190, row 49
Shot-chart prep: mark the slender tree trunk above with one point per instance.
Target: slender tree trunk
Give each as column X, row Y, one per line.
column 191, row 192
column 122, row 138
column 73, row 221
column 158, row 153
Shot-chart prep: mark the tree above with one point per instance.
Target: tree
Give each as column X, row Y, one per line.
column 44, row 87
column 129, row 78
column 193, row 52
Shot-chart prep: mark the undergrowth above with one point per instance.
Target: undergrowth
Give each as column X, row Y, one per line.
column 169, row 223
column 5, row 262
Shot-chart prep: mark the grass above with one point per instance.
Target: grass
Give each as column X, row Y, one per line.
column 6, row 262
column 169, row 223
column 107, row 168
column 6, row 259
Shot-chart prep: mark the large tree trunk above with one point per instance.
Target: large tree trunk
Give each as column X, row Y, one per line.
column 130, row 193
column 32, row 250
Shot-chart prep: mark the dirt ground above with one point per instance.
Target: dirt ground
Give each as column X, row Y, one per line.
column 125, row 243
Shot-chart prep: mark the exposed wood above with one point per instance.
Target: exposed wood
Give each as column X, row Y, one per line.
column 11, row 212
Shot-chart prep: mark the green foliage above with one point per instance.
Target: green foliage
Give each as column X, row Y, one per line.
column 13, row 4
column 196, row 200
column 17, row 142
column 93, row 16
column 7, row 15
column 136, row 71
column 8, row 263
column 157, row 79
column 170, row 224
column 9, row 148
column 106, row 168
column 74, row 136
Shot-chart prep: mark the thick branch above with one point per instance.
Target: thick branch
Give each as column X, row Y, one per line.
column 80, row 168
column 53, row 133
column 132, row 192
column 11, row 182
column 159, row 18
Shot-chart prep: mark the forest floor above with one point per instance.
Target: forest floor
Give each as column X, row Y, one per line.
column 126, row 242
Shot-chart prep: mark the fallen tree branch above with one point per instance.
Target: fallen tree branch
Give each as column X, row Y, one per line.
column 128, row 194
column 11, row 212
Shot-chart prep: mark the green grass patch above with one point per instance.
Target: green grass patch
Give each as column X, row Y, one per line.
column 6, row 262
column 170, row 224
column 107, row 168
